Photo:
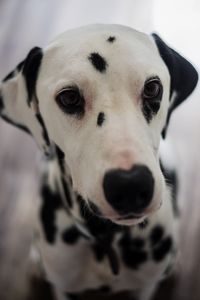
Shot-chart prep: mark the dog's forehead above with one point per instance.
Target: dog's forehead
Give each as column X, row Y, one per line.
column 102, row 47
column 100, row 33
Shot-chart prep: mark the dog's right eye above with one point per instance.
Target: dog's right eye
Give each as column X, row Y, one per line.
column 70, row 101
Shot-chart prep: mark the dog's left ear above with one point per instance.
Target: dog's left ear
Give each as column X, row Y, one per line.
column 183, row 76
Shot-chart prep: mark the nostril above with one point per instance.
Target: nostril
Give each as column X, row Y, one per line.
column 129, row 191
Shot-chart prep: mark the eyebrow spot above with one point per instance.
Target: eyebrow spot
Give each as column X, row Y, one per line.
column 98, row 62
column 111, row 39
column 100, row 119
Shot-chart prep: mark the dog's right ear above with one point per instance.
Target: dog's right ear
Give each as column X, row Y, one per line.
column 18, row 99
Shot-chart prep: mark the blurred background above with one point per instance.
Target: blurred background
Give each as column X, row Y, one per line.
column 25, row 24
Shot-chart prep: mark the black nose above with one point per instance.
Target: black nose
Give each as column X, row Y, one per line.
column 129, row 191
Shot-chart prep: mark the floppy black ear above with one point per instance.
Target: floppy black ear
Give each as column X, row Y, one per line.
column 184, row 76
column 18, row 99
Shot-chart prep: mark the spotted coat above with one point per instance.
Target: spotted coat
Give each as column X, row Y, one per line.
column 97, row 100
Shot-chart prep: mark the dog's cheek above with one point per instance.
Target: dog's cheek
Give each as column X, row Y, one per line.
column 87, row 181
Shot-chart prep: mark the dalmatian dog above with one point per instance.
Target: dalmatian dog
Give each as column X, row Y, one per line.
column 97, row 101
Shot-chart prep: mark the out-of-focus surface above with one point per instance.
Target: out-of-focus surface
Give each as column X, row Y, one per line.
column 27, row 23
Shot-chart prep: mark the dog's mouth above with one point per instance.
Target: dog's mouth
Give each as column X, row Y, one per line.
column 130, row 216
column 128, row 219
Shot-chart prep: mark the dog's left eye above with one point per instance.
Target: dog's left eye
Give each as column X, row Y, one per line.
column 152, row 89
column 151, row 96
column 70, row 100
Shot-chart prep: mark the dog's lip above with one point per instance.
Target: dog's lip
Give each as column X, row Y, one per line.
column 126, row 220
column 130, row 221
column 130, row 216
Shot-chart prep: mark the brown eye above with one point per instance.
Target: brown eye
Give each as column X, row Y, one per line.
column 70, row 100
column 152, row 88
column 151, row 95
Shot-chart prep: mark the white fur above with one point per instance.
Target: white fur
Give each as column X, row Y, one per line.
column 126, row 139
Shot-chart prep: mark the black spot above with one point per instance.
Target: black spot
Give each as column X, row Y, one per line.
column 66, row 192
column 171, row 180
column 44, row 130
column 113, row 260
column 94, row 209
column 72, row 296
column 138, row 243
column 16, row 70
column 20, row 126
column 70, row 180
column 131, row 242
column 31, row 69
column 9, row 76
column 133, row 258
column 173, row 183
column 104, row 289
column 20, row 66
column 71, row 235
column 163, row 248
column 103, row 232
column 156, row 235
column 90, row 293
column 51, row 203
column 132, row 251
column 125, row 239
column 103, row 247
column 99, row 252
column 98, row 62
column 1, row 103
column 39, row 288
column 65, row 183
column 111, row 39
column 100, row 119
column 150, row 111
column 143, row 224
column 60, row 153
column 60, row 156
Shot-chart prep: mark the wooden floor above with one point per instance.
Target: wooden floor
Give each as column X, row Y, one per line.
column 24, row 24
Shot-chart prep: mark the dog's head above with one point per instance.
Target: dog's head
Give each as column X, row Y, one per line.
column 103, row 94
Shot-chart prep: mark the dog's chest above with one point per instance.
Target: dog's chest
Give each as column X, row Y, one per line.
column 139, row 255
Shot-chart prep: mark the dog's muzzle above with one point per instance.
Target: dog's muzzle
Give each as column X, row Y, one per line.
column 129, row 192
